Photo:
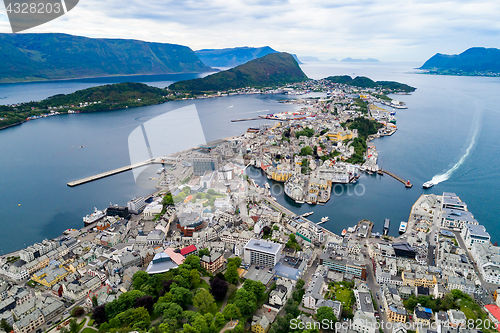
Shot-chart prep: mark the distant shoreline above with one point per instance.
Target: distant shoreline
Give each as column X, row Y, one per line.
column 445, row 73
column 97, row 77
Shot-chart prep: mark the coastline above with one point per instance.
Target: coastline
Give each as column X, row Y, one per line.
column 97, row 77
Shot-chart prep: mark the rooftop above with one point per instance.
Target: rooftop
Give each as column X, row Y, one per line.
column 263, row 246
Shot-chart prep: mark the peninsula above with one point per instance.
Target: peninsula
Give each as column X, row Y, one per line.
column 274, row 69
column 476, row 61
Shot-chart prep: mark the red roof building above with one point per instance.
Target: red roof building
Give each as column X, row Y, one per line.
column 494, row 314
column 191, row 249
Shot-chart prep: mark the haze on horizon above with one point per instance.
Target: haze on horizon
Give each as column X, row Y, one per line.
column 388, row 30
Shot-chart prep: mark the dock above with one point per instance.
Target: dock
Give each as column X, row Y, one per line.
column 115, row 171
column 406, row 183
column 245, row 119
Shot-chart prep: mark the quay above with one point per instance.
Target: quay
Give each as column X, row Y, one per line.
column 116, row 171
column 245, row 119
column 406, row 183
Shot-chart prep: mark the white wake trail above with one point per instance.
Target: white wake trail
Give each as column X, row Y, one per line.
column 472, row 144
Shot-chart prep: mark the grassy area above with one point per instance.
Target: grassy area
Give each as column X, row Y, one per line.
column 91, row 322
column 203, row 284
column 88, row 330
column 81, row 324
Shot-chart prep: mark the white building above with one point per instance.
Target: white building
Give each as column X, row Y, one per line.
column 153, row 209
column 262, row 253
column 474, row 234
column 487, row 258
column 136, row 203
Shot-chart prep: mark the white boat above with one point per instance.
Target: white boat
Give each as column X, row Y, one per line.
column 95, row 216
column 324, row 219
column 307, row 214
column 428, row 184
column 402, row 227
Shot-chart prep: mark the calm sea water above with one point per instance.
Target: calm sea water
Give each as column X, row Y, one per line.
column 451, row 124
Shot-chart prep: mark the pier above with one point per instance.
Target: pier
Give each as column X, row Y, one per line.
column 115, row 171
column 406, row 183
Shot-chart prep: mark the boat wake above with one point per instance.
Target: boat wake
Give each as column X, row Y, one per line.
column 230, row 106
column 475, row 130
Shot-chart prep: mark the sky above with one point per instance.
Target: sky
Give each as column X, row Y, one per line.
column 388, row 30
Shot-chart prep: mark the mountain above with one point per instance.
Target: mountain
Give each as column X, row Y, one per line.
column 359, row 60
column 471, row 61
column 30, row 57
column 308, row 59
column 364, row 82
column 271, row 70
column 233, row 57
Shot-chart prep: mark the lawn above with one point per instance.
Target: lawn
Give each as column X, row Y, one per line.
column 203, row 284
column 344, row 295
column 89, row 330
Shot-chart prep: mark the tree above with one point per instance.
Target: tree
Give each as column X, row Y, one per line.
column 257, row 288
column 231, row 311
column 181, row 296
column 300, row 283
column 168, row 200
column 145, row 302
column 5, row 325
column 193, row 261
column 245, row 301
column 73, row 326
column 234, row 261
column 326, row 313
column 94, row 302
column 173, row 311
column 219, row 319
column 231, row 274
column 204, row 301
column 306, row 151
column 165, row 328
column 139, row 278
column 203, row 252
column 77, row 311
column 195, row 277
column 292, row 307
column 218, row 288
column 99, row 314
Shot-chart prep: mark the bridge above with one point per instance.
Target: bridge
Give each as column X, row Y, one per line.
column 158, row 160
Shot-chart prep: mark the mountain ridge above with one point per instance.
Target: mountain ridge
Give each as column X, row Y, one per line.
column 37, row 57
column 469, row 62
column 270, row 70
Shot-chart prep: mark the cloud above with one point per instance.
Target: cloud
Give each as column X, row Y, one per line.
column 385, row 29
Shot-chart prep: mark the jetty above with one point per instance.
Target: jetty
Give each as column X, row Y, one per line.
column 406, row 183
column 159, row 160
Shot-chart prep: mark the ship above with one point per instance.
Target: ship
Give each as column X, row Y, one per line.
column 94, row 217
column 343, row 233
column 324, row 219
column 307, row 214
column 428, row 184
column 402, row 227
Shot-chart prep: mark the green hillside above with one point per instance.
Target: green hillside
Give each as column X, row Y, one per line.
column 364, row 82
column 271, row 70
column 474, row 61
column 30, row 57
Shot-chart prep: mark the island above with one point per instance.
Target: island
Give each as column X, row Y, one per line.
column 38, row 57
column 476, row 61
column 349, row 59
column 364, row 82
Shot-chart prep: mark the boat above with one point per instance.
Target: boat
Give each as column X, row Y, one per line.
column 380, row 172
column 95, row 216
column 160, row 170
column 402, row 227
column 324, row 219
column 299, row 202
column 343, row 233
column 307, row 214
column 428, row 184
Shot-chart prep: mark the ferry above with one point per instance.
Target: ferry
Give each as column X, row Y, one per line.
column 428, row 184
column 402, row 227
column 95, row 216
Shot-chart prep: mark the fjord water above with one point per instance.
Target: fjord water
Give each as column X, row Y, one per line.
column 447, row 118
